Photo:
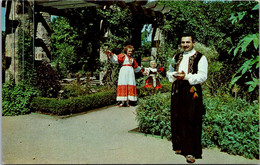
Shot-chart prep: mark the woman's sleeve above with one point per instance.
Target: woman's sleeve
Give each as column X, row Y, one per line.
column 201, row 75
column 117, row 59
column 136, row 67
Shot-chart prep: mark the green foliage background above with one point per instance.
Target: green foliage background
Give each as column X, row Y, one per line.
column 230, row 124
column 231, row 28
column 17, row 98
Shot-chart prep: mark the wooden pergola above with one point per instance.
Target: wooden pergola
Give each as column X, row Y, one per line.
column 143, row 8
column 143, row 11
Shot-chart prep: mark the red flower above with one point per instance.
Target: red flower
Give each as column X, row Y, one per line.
column 161, row 69
column 108, row 54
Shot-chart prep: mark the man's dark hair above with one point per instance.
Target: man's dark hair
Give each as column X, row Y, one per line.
column 192, row 35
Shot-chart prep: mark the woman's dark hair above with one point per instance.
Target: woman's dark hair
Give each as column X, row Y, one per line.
column 128, row 47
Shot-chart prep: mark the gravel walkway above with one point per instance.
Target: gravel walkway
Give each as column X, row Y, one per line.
column 100, row 136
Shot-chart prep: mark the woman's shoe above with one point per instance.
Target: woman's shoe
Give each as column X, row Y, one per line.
column 190, row 159
column 120, row 105
column 127, row 105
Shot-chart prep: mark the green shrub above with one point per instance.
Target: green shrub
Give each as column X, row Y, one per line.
column 153, row 115
column 17, row 98
column 47, row 79
column 78, row 87
column 74, row 104
column 230, row 124
column 81, row 103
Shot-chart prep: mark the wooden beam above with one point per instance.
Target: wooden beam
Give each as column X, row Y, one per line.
column 58, row 3
column 102, row 2
column 150, row 4
column 158, row 7
column 3, row 3
column 52, row 11
column 65, row 4
column 122, row 4
column 166, row 10
column 141, row 2
column 129, row 1
column 143, row 8
column 76, row 6
column 47, row 2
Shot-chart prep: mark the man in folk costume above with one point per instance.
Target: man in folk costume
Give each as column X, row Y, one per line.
column 126, row 88
column 187, row 74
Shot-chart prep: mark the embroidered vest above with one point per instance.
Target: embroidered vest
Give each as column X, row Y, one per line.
column 193, row 62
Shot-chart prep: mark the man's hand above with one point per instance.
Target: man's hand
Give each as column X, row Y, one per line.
column 179, row 76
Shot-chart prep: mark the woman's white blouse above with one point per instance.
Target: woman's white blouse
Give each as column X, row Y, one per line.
column 114, row 59
column 199, row 77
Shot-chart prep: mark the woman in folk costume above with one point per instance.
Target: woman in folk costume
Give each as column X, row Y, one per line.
column 152, row 81
column 126, row 88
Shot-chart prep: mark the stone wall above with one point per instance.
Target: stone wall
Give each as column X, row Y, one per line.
column 15, row 21
column 13, row 64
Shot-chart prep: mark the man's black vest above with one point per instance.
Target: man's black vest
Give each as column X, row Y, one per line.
column 193, row 62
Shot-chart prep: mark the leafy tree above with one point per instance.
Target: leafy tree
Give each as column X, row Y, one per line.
column 206, row 20
column 117, row 21
column 86, row 22
column 247, row 47
column 211, row 23
column 64, row 41
column 78, row 38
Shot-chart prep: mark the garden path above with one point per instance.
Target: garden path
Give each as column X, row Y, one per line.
column 96, row 137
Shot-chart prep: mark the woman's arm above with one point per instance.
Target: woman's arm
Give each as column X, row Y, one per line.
column 116, row 59
column 113, row 58
column 136, row 67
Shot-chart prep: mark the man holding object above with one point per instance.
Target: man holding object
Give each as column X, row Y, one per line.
column 187, row 109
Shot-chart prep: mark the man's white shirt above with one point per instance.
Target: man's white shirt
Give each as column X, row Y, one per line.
column 199, row 77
